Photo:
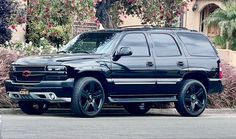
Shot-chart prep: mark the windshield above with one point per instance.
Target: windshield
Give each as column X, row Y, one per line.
column 97, row 43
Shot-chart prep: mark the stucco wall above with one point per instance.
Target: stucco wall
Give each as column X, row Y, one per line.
column 18, row 35
column 192, row 18
column 228, row 56
column 130, row 20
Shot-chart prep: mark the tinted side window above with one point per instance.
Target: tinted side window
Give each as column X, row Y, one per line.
column 165, row 45
column 197, row 44
column 137, row 43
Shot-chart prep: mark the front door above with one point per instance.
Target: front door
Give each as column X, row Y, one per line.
column 133, row 75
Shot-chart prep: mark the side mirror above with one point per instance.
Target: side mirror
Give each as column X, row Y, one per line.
column 124, row 51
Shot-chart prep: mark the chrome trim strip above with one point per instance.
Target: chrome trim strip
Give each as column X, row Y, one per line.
column 38, row 83
column 214, row 80
column 35, row 96
column 135, row 83
column 166, row 82
column 14, row 83
column 144, row 80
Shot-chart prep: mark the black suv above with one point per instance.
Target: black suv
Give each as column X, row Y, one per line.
column 135, row 67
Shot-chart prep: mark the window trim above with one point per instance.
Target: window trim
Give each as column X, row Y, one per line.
column 154, row 46
column 127, row 33
column 215, row 54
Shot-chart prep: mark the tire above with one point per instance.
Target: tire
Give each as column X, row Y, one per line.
column 33, row 108
column 88, row 97
column 192, row 99
column 137, row 108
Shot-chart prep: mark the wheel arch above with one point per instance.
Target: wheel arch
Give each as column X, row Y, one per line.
column 199, row 76
column 97, row 75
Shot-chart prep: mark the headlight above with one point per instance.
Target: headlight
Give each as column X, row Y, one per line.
column 56, row 68
column 12, row 68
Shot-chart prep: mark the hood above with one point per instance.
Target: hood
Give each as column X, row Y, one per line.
column 55, row 59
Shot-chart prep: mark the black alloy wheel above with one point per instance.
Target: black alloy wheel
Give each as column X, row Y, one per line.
column 192, row 99
column 88, row 97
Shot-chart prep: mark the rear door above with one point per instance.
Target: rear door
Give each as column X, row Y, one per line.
column 171, row 63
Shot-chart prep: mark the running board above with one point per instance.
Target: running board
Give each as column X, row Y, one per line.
column 141, row 100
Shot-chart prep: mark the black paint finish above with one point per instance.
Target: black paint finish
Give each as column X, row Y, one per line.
column 128, row 76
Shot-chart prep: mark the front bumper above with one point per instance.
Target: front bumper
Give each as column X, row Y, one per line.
column 215, row 86
column 51, row 91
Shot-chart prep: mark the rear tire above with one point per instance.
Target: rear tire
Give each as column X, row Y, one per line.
column 88, row 97
column 137, row 108
column 192, row 99
column 33, row 108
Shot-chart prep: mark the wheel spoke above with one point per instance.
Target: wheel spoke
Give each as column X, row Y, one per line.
column 187, row 99
column 199, row 104
column 192, row 106
column 192, row 89
column 86, row 106
column 91, row 87
column 97, row 95
column 199, row 92
column 84, row 94
column 95, row 106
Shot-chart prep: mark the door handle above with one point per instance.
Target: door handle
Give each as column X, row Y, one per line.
column 180, row 64
column 149, row 64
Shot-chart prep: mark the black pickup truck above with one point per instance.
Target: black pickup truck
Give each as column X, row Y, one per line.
column 134, row 67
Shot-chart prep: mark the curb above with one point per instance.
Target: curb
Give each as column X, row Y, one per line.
column 166, row 111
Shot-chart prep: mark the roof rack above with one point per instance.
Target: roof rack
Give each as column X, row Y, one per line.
column 135, row 26
column 150, row 27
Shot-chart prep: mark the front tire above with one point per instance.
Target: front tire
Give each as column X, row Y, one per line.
column 88, row 97
column 33, row 108
column 137, row 108
column 192, row 99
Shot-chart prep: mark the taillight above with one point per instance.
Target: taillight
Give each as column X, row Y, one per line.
column 220, row 71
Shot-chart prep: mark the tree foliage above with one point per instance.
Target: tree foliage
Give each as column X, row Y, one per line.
column 5, row 14
column 53, row 19
column 226, row 20
column 155, row 12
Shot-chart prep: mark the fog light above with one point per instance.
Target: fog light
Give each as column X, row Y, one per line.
column 52, row 96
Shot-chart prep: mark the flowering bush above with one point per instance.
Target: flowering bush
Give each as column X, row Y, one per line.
column 6, row 58
column 227, row 99
column 30, row 49
column 10, row 52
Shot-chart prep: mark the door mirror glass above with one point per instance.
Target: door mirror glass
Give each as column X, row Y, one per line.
column 124, row 51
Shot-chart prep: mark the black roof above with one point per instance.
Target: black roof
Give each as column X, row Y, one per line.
column 144, row 28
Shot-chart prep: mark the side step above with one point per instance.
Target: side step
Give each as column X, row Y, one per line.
column 141, row 100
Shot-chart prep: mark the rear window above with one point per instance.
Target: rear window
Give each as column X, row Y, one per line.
column 197, row 44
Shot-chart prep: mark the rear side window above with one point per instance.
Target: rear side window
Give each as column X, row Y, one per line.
column 197, row 44
column 165, row 45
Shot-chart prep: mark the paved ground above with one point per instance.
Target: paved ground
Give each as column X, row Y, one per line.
column 117, row 124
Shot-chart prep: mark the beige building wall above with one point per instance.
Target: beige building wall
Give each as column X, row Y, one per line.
column 18, row 35
column 130, row 20
column 192, row 19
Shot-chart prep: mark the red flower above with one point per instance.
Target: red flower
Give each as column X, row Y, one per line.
column 13, row 27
